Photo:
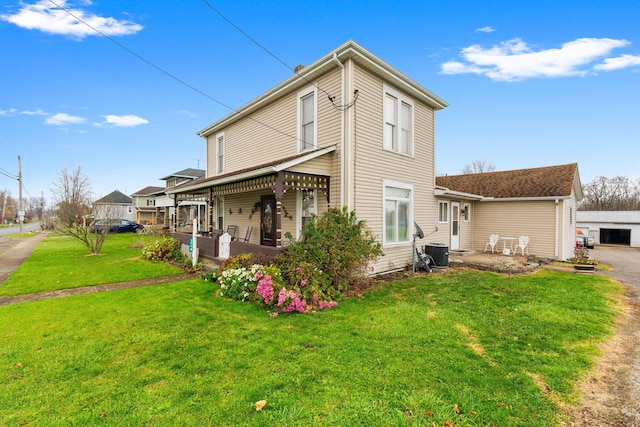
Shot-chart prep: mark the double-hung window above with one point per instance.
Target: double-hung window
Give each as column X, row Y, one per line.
column 307, row 119
column 220, row 153
column 397, row 212
column 398, row 122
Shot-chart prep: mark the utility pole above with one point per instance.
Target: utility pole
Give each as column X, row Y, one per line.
column 20, row 211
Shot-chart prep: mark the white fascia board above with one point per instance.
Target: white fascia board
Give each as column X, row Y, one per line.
column 445, row 192
column 257, row 172
column 524, row 199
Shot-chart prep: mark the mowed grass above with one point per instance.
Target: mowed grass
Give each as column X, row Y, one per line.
column 63, row 263
column 458, row 349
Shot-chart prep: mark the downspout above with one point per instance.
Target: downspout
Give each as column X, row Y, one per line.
column 342, row 112
column 557, row 227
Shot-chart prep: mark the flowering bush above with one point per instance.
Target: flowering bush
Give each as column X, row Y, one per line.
column 265, row 285
column 240, row 283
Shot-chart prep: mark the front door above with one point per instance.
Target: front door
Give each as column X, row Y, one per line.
column 268, row 220
column 455, row 225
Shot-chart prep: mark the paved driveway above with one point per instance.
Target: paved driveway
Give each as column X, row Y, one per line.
column 625, row 262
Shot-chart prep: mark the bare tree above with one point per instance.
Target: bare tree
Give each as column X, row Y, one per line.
column 611, row 194
column 478, row 166
column 73, row 201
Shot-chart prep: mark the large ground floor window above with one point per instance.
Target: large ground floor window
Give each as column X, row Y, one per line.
column 397, row 212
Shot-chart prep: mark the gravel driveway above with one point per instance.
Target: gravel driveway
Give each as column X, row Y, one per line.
column 611, row 392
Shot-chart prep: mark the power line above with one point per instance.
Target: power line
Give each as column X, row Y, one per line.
column 244, row 33
column 8, row 174
column 168, row 74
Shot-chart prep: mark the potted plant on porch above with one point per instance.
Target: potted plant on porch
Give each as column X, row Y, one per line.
column 581, row 261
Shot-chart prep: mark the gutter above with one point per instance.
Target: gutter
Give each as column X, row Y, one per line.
column 342, row 112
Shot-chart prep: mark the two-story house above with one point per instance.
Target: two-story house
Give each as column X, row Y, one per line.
column 348, row 130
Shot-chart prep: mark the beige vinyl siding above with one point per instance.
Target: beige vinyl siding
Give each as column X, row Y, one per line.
column 535, row 219
column 249, row 142
column 373, row 164
column 319, row 166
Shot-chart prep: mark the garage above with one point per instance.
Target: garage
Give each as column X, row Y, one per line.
column 613, row 236
column 620, row 228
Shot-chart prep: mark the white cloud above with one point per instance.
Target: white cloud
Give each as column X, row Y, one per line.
column 49, row 18
column 515, row 60
column 61, row 119
column 129, row 120
column 623, row 61
column 487, row 29
column 36, row 112
column 9, row 112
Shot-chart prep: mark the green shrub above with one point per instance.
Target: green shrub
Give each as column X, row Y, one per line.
column 337, row 245
column 163, row 249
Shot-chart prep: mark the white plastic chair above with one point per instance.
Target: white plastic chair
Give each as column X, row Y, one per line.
column 523, row 245
column 493, row 241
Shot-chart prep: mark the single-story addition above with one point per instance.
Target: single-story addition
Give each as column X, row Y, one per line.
column 538, row 202
column 611, row 227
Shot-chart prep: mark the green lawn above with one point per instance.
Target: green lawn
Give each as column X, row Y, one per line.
column 63, row 263
column 464, row 348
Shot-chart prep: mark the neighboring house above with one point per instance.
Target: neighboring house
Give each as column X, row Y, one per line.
column 114, row 205
column 186, row 209
column 538, row 202
column 611, row 227
column 153, row 206
column 144, row 205
column 348, row 130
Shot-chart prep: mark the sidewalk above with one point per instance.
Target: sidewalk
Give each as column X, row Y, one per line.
column 12, row 258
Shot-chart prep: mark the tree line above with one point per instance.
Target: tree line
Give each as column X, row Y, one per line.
column 619, row 193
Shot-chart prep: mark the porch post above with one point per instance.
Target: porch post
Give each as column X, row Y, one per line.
column 175, row 213
column 278, row 190
column 210, row 204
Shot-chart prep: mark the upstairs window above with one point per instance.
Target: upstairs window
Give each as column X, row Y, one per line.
column 398, row 122
column 307, row 123
column 220, row 153
column 151, row 202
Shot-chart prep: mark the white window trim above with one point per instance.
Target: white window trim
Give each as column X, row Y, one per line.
column 390, row 183
column 398, row 128
column 440, row 209
column 302, row 94
column 220, row 168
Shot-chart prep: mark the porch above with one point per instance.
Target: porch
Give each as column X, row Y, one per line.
column 208, row 245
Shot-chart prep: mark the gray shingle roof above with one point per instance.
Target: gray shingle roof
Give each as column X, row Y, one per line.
column 115, row 197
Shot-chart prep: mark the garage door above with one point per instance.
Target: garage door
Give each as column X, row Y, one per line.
column 615, row 236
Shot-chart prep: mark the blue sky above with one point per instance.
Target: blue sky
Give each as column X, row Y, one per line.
column 529, row 83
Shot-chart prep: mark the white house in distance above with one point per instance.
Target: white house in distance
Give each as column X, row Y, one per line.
column 611, row 227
